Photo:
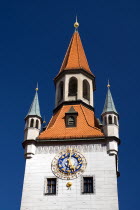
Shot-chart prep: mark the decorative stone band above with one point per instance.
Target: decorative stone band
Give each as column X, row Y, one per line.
column 81, row 148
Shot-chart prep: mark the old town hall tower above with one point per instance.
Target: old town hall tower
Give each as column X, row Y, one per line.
column 72, row 163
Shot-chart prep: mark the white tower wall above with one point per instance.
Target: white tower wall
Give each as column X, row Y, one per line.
column 100, row 165
column 110, row 129
column 31, row 133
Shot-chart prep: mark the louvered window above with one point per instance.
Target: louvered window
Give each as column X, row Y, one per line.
column 71, row 121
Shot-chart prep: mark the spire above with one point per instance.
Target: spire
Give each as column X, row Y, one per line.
column 109, row 103
column 75, row 57
column 34, row 108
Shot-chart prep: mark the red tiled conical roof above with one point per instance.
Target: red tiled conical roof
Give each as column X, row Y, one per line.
column 75, row 57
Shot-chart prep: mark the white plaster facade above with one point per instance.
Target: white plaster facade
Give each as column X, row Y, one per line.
column 32, row 132
column 100, row 165
column 80, row 78
column 110, row 129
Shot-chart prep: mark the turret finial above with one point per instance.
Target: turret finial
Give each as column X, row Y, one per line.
column 44, row 121
column 108, row 85
column 36, row 87
column 76, row 24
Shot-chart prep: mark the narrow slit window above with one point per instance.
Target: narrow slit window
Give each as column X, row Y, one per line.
column 115, row 120
column 37, row 124
column 110, row 119
column 86, row 90
column 32, row 123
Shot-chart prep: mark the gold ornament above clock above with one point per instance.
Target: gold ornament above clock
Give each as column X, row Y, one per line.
column 68, row 164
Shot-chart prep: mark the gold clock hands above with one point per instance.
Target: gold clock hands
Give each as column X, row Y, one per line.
column 70, row 154
column 71, row 166
column 69, row 159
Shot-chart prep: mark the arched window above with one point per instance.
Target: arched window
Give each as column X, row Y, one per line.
column 105, row 121
column 60, row 91
column 37, row 124
column 86, row 90
column 72, row 86
column 110, row 119
column 32, row 123
column 71, row 121
column 115, row 120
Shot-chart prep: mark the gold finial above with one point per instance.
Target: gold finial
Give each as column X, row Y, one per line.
column 108, row 85
column 76, row 24
column 36, row 87
column 44, row 121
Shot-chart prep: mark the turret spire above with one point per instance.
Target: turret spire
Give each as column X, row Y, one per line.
column 35, row 108
column 109, row 103
column 36, row 87
column 108, row 85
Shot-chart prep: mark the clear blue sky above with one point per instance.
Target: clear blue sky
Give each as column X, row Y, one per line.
column 34, row 36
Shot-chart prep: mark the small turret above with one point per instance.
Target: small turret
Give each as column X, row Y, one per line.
column 33, row 122
column 110, row 121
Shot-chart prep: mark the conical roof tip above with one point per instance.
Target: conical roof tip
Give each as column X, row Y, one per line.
column 75, row 57
column 35, row 108
column 109, row 103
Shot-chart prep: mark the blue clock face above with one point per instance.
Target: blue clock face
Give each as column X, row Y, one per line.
column 70, row 163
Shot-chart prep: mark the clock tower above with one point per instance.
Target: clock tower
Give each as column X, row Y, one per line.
column 72, row 163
